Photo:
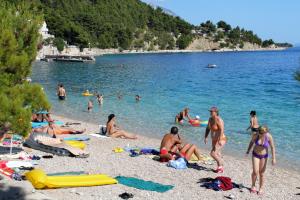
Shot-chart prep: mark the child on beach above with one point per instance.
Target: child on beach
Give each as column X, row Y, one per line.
column 90, row 105
column 261, row 141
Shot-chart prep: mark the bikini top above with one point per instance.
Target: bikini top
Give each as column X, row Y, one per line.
column 265, row 144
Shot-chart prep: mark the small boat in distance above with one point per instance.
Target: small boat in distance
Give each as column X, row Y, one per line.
column 211, row 65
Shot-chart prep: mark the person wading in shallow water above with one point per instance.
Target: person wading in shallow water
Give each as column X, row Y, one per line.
column 253, row 122
column 215, row 126
column 61, row 92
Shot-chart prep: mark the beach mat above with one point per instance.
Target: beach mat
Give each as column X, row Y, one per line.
column 143, row 185
column 77, row 138
column 41, row 124
column 6, row 150
column 99, row 136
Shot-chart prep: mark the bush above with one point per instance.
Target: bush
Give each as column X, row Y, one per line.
column 59, row 43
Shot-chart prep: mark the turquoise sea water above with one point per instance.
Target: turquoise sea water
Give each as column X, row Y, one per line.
column 242, row 81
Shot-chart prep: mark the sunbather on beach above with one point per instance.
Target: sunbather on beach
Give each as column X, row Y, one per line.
column 215, row 126
column 114, row 131
column 41, row 117
column 253, row 122
column 261, row 142
column 172, row 147
column 53, row 129
column 182, row 115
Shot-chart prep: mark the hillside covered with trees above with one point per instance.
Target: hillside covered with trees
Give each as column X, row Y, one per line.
column 115, row 24
column 132, row 24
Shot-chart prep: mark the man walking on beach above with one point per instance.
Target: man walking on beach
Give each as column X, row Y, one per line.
column 215, row 126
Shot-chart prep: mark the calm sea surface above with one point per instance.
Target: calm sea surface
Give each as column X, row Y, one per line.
column 242, row 81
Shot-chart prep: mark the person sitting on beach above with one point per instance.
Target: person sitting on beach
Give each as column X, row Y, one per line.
column 261, row 142
column 215, row 126
column 114, row 131
column 171, row 147
column 52, row 129
column 41, row 117
column 253, row 122
column 61, row 92
column 182, row 115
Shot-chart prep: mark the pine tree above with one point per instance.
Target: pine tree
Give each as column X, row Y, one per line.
column 19, row 24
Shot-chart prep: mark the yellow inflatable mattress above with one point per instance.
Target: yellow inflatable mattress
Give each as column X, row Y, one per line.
column 40, row 180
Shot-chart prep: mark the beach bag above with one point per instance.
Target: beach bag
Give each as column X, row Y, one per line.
column 178, row 164
column 102, row 130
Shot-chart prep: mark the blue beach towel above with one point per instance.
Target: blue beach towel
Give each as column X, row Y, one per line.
column 143, row 185
column 40, row 124
column 77, row 138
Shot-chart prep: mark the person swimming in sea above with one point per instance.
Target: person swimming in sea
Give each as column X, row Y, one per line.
column 215, row 126
column 261, row 141
column 253, row 122
column 137, row 98
column 114, row 131
column 90, row 105
column 182, row 115
column 100, row 99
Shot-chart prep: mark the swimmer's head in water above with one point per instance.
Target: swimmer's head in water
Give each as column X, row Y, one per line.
column 110, row 117
column 253, row 112
column 197, row 117
column 174, row 130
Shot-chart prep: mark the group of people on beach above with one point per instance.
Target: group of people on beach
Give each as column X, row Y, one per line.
column 261, row 140
column 173, row 147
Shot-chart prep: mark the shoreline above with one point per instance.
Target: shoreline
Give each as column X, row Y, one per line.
column 226, row 151
column 75, row 51
column 280, row 183
column 99, row 52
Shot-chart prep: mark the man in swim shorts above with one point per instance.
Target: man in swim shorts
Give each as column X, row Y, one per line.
column 215, row 126
column 168, row 147
column 61, row 92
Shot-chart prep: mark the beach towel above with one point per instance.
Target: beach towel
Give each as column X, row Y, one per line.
column 219, row 183
column 99, row 136
column 143, row 185
column 41, row 124
column 77, row 138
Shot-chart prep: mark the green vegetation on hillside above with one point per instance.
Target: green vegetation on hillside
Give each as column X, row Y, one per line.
column 122, row 24
column 19, row 24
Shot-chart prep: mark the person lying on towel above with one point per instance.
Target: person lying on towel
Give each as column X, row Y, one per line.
column 52, row 129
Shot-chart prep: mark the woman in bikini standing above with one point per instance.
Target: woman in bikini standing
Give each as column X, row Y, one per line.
column 261, row 142
column 253, row 122
column 215, row 126
column 114, row 131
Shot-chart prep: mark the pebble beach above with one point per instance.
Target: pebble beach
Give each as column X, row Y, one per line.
column 280, row 183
